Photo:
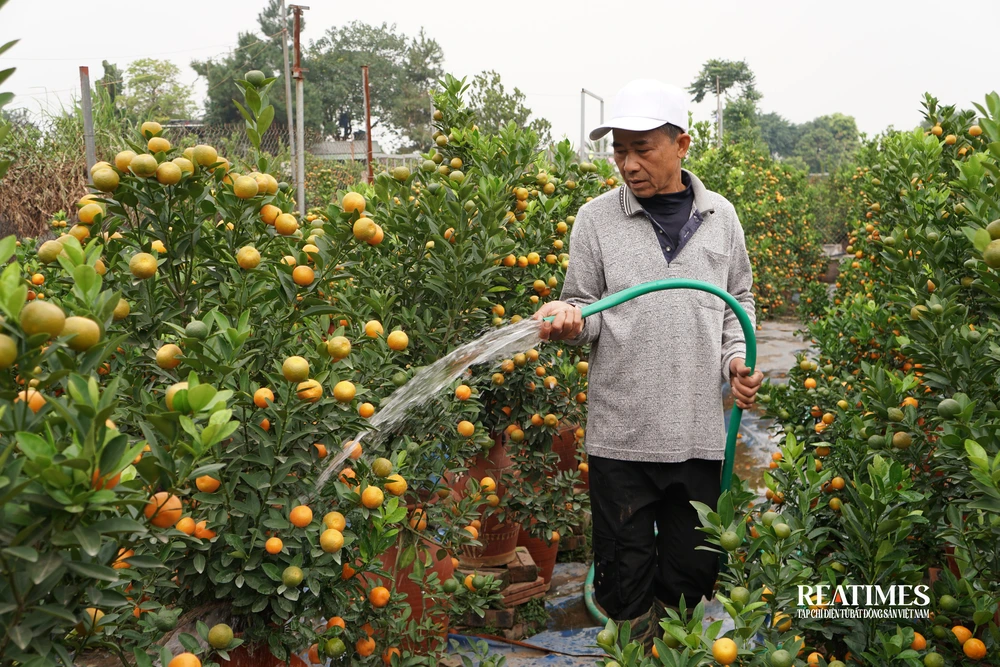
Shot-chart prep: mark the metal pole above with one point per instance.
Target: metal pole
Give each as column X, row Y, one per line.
column 301, row 181
column 583, row 93
column 368, row 122
column 603, row 141
column 300, row 110
column 88, row 118
column 288, row 91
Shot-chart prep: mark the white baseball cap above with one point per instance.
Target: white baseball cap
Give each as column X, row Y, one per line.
column 646, row 104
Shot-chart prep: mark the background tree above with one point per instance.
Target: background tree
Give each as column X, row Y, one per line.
column 778, row 133
column 402, row 71
column 254, row 50
column 153, row 91
column 817, row 146
column 731, row 74
column 495, row 108
column 740, row 120
column 736, row 83
column 827, row 141
column 112, row 82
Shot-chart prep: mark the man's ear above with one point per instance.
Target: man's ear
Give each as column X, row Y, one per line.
column 683, row 144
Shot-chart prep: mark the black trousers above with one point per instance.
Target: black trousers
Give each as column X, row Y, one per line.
column 632, row 563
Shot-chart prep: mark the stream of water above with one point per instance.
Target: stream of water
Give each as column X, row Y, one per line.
column 425, row 385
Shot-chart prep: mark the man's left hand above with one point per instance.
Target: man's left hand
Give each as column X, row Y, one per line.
column 744, row 385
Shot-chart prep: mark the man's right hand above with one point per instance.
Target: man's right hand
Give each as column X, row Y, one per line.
column 568, row 321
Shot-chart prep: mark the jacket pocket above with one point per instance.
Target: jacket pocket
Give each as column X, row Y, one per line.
column 713, row 267
column 710, row 301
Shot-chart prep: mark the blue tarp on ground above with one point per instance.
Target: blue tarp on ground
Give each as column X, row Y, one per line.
column 578, row 642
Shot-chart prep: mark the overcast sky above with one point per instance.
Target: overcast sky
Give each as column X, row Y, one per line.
column 872, row 59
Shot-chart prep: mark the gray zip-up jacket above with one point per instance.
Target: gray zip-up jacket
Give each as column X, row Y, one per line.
column 657, row 362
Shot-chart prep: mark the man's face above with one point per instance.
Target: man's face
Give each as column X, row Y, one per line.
column 649, row 161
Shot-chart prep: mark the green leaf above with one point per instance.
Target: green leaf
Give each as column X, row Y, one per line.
column 2, row 49
column 119, row 525
column 112, row 454
column 20, row 635
column 201, row 396
column 86, row 279
column 34, row 446
column 142, row 659
column 408, row 556
column 977, row 455
column 243, row 112
column 58, row 612
column 199, row 563
column 189, row 642
column 265, row 119
column 271, row 570
column 145, row 562
column 44, row 568
column 8, row 247
column 253, row 100
column 89, row 539
column 24, row 553
column 93, row 570
column 981, row 239
column 982, row 617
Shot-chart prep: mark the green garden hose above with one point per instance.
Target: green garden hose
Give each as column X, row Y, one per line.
column 737, row 413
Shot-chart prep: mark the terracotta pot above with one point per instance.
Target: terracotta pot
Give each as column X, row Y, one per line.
column 950, row 558
column 499, row 539
column 565, row 445
column 414, row 593
column 543, row 553
column 933, row 573
column 247, row 655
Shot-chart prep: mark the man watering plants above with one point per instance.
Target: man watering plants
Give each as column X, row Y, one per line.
column 655, row 430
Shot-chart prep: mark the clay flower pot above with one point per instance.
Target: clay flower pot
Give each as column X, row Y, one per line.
column 542, row 552
column 414, row 592
column 499, row 539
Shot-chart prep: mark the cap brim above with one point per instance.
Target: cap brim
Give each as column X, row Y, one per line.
column 631, row 123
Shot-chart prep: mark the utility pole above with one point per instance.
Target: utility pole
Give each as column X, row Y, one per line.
column 604, row 141
column 368, row 121
column 718, row 111
column 88, row 118
column 300, row 110
column 288, row 91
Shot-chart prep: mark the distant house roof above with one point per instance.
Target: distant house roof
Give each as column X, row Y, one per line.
column 343, row 148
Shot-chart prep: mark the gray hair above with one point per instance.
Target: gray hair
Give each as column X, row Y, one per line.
column 671, row 131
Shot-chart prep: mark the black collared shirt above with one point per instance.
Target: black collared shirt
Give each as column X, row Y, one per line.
column 673, row 216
